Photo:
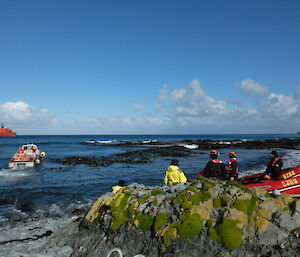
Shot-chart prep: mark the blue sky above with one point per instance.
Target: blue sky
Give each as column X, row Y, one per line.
column 150, row 67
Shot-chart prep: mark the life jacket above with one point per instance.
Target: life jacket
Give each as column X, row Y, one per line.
column 273, row 163
column 230, row 166
column 216, row 161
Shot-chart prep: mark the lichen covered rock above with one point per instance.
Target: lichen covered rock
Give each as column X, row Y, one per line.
column 224, row 213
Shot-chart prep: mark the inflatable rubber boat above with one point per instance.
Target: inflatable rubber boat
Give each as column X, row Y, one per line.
column 288, row 182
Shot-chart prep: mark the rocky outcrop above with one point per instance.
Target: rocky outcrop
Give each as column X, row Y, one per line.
column 205, row 217
column 173, row 150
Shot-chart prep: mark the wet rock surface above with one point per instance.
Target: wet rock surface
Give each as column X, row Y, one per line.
column 201, row 218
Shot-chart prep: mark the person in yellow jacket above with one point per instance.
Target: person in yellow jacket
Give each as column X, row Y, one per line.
column 119, row 185
column 174, row 174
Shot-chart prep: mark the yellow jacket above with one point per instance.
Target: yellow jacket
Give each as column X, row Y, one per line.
column 174, row 175
column 116, row 188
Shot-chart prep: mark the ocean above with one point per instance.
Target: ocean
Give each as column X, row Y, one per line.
column 56, row 190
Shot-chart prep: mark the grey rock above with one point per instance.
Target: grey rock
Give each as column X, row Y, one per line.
column 65, row 251
column 178, row 187
column 136, row 185
column 198, row 185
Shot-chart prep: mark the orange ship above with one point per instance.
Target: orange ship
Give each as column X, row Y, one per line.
column 6, row 132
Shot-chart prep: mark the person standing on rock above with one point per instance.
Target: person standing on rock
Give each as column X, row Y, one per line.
column 274, row 166
column 119, row 185
column 215, row 168
column 232, row 167
column 174, row 174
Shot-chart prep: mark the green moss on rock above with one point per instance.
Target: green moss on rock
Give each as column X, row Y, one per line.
column 247, row 206
column 230, row 235
column 201, row 196
column 181, row 197
column 170, row 232
column 241, row 187
column 157, row 192
column 132, row 208
column 160, row 220
column 212, row 233
column 155, row 202
column 209, row 223
column 187, row 205
column 144, row 199
column 119, row 210
column 190, row 225
column 206, row 186
column 217, row 203
column 144, row 221
column 193, row 188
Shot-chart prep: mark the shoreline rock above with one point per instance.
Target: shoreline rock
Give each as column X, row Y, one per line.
column 203, row 218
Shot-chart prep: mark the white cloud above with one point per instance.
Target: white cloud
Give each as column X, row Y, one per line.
column 138, row 108
column 182, row 110
column 178, row 95
column 193, row 108
column 21, row 112
column 25, row 118
column 249, row 86
column 163, row 94
column 280, row 105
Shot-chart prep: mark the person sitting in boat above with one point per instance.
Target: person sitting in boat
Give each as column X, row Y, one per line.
column 20, row 150
column 215, row 168
column 174, row 174
column 2, row 125
column 120, row 184
column 274, row 167
column 232, row 167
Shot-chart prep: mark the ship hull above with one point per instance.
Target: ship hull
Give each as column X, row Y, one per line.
column 288, row 182
column 8, row 134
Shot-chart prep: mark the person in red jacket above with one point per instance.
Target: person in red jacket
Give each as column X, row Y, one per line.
column 233, row 167
column 274, row 167
column 215, row 168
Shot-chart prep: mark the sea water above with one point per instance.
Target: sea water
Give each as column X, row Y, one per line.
column 55, row 190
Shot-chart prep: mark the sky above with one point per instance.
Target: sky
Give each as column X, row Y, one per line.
column 150, row 67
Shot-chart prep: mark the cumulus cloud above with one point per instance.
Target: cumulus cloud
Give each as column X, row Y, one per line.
column 249, row 86
column 182, row 110
column 21, row 111
column 26, row 118
column 192, row 107
column 280, row 105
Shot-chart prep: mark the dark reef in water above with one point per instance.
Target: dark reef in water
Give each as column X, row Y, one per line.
column 131, row 157
column 173, row 149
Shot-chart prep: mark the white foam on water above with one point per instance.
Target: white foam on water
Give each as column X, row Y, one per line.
column 192, row 146
column 149, row 141
column 291, row 159
column 105, row 141
column 16, row 172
